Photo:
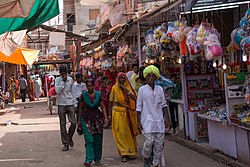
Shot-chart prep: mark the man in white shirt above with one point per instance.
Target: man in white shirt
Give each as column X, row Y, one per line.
column 65, row 102
column 78, row 88
column 151, row 108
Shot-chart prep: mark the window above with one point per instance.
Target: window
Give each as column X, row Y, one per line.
column 71, row 18
column 93, row 13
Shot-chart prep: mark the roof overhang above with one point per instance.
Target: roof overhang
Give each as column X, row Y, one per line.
column 196, row 6
column 163, row 8
column 52, row 29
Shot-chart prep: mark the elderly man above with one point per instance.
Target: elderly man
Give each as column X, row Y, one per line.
column 151, row 105
column 65, row 102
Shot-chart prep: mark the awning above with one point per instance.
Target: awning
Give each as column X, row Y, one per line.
column 21, row 56
column 42, row 11
column 116, row 28
column 53, row 62
column 201, row 5
column 163, row 8
column 15, row 8
column 97, row 43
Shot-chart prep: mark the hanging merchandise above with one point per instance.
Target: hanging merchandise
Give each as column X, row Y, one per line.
column 194, row 47
column 240, row 38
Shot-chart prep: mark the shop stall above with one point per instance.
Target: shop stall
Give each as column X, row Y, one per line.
column 228, row 126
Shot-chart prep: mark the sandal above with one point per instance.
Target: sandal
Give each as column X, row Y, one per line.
column 87, row 164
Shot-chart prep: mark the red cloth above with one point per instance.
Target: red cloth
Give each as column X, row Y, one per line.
column 52, row 91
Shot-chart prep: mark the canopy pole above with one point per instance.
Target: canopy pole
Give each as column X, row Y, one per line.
column 3, row 78
column 78, row 54
column 139, row 43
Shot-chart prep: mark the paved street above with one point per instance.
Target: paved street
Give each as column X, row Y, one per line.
column 35, row 142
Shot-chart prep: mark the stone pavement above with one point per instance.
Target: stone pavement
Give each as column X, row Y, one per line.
column 35, row 142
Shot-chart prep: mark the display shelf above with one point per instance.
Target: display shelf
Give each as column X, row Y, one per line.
column 209, row 118
column 195, row 110
column 193, row 99
column 194, row 89
column 198, row 74
column 240, row 126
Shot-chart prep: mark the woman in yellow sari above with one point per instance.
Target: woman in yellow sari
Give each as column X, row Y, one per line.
column 124, row 117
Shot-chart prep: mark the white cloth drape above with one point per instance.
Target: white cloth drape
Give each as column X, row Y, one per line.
column 9, row 41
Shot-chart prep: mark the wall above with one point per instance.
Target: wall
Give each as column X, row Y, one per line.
column 83, row 23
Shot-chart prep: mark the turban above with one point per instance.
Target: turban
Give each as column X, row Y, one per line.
column 151, row 69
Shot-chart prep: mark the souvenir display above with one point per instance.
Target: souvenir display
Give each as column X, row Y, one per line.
column 241, row 115
column 217, row 112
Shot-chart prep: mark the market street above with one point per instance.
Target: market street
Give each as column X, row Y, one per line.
column 35, row 142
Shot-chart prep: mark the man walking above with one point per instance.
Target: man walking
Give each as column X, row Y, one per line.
column 23, row 87
column 65, row 102
column 151, row 108
column 78, row 88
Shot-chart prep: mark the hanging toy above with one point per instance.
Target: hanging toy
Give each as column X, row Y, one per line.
column 166, row 42
column 213, row 47
column 150, row 40
column 172, row 26
column 237, row 35
column 176, row 36
column 245, row 45
column 201, row 33
column 182, row 38
column 158, row 33
column 194, row 47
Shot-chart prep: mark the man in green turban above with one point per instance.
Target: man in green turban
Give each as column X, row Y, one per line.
column 151, row 105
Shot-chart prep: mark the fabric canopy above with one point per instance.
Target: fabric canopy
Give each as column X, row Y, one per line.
column 15, row 8
column 21, row 56
column 9, row 41
column 42, row 11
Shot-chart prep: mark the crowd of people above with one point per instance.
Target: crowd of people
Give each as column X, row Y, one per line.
column 20, row 88
column 130, row 105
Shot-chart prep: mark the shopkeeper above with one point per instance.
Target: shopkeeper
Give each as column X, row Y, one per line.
column 175, row 93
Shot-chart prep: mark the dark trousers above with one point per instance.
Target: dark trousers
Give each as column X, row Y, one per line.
column 173, row 107
column 79, row 131
column 23, row 94
column 66, row 136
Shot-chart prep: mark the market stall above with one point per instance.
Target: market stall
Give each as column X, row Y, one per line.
column 228, row 126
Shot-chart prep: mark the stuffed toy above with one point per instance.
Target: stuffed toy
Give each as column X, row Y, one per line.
column 201, row 33
column 213, row 47
column 182, row 38
column 194, row 47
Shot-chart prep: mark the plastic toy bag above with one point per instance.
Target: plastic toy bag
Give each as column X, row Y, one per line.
column 237, row 35
column 213, row 47
column 194, row 47
column 150, row 39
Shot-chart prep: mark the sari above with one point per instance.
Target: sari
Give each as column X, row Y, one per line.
column 124, row 119
column 92, row 126
column 30, row 90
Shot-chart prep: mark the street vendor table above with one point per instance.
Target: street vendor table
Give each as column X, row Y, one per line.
column 221, row 135
column 242, row 142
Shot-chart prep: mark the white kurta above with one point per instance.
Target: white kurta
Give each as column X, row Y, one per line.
column 150, row 103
